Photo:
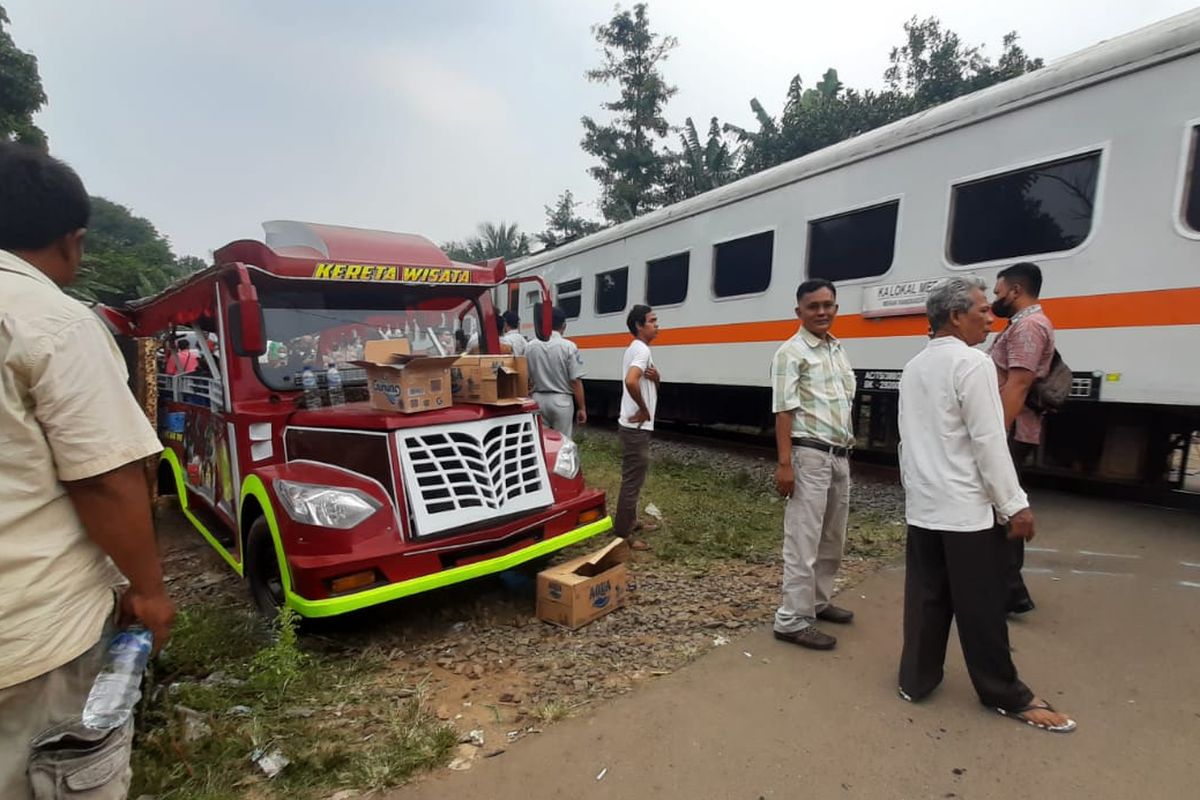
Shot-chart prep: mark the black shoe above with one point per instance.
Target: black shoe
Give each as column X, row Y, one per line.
column 838, row 616
column 1019, row 607
column 809, row 637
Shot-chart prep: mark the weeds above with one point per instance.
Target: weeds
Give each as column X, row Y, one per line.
column 258, row 687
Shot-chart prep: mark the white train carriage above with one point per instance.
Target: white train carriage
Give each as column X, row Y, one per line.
column 1089, row 167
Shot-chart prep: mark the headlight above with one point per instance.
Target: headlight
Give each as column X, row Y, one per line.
column 325, row 506
column 567, row 463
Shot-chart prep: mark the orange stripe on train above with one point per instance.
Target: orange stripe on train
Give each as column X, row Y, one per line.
column 1123, row 310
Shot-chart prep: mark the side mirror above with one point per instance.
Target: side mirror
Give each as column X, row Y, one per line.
column 246, row 328
column 542, row 320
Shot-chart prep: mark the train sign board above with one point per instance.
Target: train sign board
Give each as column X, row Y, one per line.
column 896, row 299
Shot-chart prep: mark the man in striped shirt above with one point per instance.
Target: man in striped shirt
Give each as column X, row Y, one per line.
column 812, row 396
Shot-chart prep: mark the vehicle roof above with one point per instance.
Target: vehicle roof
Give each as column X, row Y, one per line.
column 304, row 250
column 1169, row 39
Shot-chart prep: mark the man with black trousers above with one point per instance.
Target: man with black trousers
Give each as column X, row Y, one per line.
column 958, row 481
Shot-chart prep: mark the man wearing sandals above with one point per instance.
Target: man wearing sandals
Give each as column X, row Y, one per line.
column 958, row 480
column 812, row 397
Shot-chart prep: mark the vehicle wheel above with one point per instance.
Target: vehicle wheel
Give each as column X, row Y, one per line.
column 262, row 570
column 536, row 565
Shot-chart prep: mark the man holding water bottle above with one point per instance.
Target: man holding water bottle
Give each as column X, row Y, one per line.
column 75, row 519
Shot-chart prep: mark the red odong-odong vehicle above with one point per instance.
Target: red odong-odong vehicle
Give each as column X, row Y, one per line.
column 333, row 509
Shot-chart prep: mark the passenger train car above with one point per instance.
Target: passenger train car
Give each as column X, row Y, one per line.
column 1089, row 167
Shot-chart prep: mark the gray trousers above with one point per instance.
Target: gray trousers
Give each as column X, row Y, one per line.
column 558, row 410
column 814, row 535
column 635, row 463
column 54, row 700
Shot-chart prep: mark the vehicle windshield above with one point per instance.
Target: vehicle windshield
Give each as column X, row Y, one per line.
column 319, row 324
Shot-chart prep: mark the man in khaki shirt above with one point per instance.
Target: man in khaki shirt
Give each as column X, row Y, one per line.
column 74, row 507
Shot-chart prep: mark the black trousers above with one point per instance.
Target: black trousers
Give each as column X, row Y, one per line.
column 961, row 576
column 1018, row 595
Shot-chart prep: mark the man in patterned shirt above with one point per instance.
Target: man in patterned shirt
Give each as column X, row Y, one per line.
column 1022, row 354
column 812, row 396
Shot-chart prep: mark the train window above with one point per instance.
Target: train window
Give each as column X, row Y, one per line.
column 667, row 280
column 1043, row 209
column 743, row 266
column 859, row 244
column 612, row 290
column 1191, row 197
column 570, row 297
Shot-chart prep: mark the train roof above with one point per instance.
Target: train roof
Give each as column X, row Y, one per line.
column 1167, row 40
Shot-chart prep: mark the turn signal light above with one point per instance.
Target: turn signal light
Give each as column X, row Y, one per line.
column 591, row 515
column 349, row 583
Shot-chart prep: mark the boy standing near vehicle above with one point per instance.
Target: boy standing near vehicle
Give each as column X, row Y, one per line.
column 812, row 396
column 639, row 401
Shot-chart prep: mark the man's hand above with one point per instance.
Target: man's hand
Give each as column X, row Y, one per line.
column 640, row 416
column 581, row 417
column 652, row 373
column 1020, row 525
column 785, row 479
column 155, row 611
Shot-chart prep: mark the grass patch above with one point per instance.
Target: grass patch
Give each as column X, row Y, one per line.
column 711, row 516
column 229, row 684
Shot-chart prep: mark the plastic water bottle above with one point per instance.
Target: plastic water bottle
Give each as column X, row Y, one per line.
column 312, row 392
column 333, row 380
column 117, row 688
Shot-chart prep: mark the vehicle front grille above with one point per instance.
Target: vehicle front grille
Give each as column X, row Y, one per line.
column 464, row 474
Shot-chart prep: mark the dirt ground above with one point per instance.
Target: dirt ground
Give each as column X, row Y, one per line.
column 488, row 665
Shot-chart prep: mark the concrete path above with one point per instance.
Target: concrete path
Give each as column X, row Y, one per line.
column 1115, row 642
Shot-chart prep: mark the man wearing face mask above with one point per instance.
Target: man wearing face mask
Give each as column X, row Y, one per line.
column 1022, row 354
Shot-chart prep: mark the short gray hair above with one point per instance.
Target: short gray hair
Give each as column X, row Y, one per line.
column 951, row 294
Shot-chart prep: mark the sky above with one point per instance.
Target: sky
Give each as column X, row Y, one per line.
column 431, row 117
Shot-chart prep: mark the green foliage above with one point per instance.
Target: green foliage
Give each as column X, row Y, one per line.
column 125, row 257
column 21, row 93
column 278, row 695
column 633, row 169
column 563, row 224
column 700, row 167
column 495, row 240
column 931, row 67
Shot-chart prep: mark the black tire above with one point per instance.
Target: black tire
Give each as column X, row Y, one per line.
column 262, row 570
column 536, row 565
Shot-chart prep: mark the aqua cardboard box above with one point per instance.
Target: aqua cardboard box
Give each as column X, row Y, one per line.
column 401, row 382
column 491, row 380
column 581, row 590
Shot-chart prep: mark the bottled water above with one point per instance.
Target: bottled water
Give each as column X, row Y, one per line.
column 333, row 380
column 312, row 392
column 117, row 688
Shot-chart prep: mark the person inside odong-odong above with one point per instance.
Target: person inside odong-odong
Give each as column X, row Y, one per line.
column 962, row 504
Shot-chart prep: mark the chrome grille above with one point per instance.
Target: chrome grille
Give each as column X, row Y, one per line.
column 459, row 475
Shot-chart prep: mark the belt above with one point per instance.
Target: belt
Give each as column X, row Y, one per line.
column 816, row 444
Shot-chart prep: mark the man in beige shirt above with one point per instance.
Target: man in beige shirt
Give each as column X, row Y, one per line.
column 74, row 507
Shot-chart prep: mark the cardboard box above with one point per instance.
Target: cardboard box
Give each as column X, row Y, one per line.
column 401, row 382
column 576, row 592
column 491, row 380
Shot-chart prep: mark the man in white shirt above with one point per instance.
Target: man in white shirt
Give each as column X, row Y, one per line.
column 511, row 333
column 556, row 372
column 958, row 478
column 639, row 400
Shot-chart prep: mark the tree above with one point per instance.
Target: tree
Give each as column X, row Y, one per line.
column 21, row 94
column 563, row 224
column 499, row 240
column 125, row 257
column 933, row 65
column 633, row 168
column 700, row 167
